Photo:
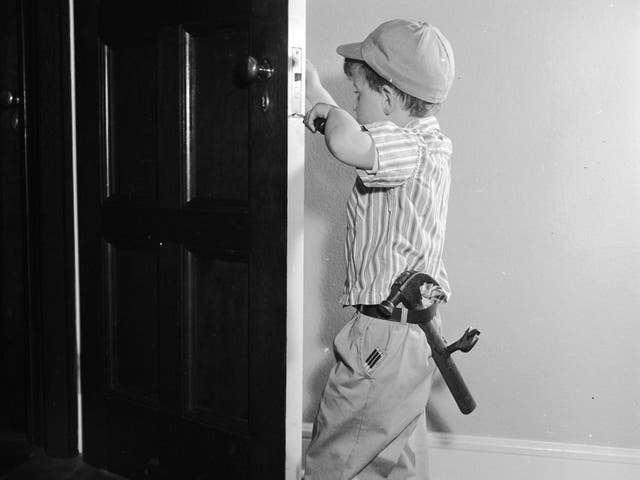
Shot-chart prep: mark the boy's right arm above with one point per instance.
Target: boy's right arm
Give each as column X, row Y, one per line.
column 343, row 135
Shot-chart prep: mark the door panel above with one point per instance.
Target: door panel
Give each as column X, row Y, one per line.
column 217, row 351
column 132, row 329
column 131, row 97
column 217, row 157
column 182, row 220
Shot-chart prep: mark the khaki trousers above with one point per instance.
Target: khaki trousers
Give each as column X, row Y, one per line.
column 371, row 423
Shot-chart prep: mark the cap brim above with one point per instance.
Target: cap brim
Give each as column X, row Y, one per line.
column 351, row 50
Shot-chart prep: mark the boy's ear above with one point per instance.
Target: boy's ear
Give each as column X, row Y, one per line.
column 388, row 99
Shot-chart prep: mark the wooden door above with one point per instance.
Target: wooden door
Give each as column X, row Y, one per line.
column 13, row 354
column 182, row 170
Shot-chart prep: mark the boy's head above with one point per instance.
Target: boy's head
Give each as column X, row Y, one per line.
column 412, row 59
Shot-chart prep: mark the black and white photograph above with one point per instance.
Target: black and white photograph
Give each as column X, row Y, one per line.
column 319, row 240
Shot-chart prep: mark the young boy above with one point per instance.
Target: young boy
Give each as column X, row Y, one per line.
column 371, row 423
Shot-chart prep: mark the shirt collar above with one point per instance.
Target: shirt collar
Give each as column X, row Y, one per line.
column 422, row 124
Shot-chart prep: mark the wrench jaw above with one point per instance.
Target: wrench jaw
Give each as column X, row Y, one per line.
column 465, row 343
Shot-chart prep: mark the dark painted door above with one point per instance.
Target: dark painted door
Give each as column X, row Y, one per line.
column 182, row 222
column 13, row 355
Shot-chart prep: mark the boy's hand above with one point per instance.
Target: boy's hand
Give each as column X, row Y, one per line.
column 319, row 111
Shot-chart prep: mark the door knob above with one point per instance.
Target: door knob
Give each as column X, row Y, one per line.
column 8, row 99
column 261, row 70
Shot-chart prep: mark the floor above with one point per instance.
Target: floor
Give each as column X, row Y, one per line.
column 18, row 461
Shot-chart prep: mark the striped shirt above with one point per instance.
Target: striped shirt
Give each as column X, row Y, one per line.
column 396, row 214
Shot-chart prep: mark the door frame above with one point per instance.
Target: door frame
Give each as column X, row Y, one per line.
column 47, row 151
column 295, row 239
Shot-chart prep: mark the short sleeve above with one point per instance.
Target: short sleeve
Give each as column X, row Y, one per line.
column 397, row 155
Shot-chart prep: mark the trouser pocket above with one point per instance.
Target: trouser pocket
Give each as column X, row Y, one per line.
column 374, row 345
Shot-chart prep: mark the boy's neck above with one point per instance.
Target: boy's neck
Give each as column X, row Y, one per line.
column 401, row 118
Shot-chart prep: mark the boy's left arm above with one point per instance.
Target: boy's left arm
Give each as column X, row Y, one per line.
column 315, row 91
column 343, row 135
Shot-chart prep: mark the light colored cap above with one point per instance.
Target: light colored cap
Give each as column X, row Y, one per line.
column 414, row 56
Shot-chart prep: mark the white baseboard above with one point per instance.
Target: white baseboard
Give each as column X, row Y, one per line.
column 462, row 457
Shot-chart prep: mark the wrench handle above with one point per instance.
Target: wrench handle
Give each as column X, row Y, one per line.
column 448, row 369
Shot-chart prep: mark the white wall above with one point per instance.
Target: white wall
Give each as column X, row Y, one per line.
column 543, row 244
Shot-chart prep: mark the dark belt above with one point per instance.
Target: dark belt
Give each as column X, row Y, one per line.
column 413, row 316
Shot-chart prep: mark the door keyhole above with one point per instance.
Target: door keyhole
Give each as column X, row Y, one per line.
column 15, row 121
column 265, row 102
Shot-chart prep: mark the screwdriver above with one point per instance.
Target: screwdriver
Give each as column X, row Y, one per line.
column 318, row 122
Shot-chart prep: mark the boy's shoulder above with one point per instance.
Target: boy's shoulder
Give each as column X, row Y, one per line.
column 422, row 129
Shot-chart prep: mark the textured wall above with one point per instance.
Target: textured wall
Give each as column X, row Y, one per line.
column 543, row 246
